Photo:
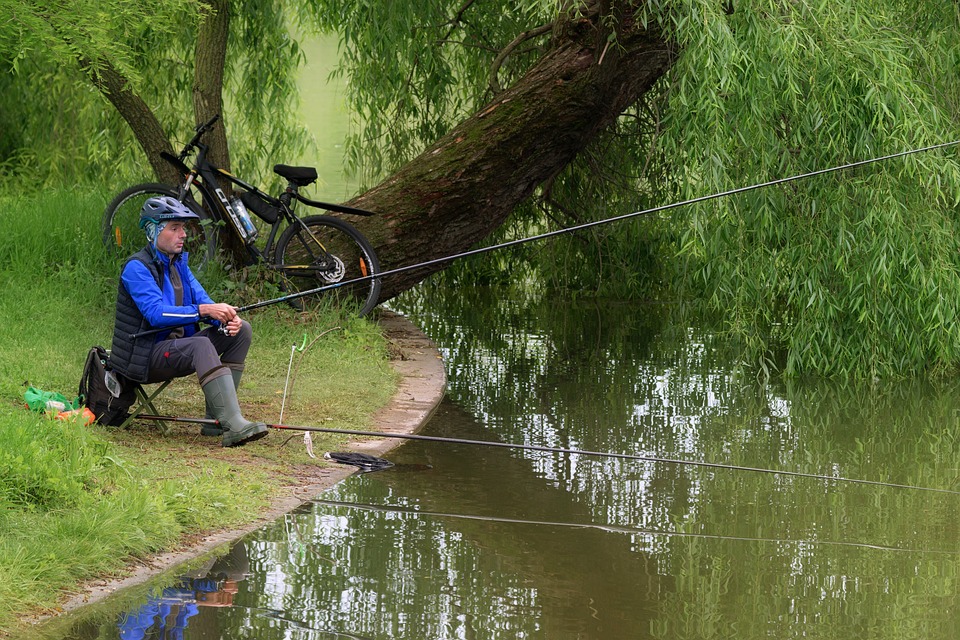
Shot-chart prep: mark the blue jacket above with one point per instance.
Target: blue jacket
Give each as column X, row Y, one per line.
column 156, row 304
column 145, row 301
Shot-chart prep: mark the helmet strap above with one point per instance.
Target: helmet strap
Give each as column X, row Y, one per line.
column 153, row 230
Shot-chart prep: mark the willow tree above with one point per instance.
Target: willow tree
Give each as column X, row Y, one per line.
column 48, row 54
column 158, row 69
column 853, row 273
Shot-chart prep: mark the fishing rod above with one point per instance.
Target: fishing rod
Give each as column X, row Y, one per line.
column 612, row 528
column 580, row 452
column 573, row 229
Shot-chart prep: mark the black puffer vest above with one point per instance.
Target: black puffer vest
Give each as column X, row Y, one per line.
column 131, row 357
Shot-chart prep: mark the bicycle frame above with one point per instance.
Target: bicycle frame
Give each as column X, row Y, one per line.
column 217, row 203
column 220, row 207
column 304, row 252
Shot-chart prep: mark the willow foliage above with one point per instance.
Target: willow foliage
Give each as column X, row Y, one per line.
column 58, row 128
column 849, row 274
column 96, row 30
column 852, row 273
column 416, row 68
column 53, row 124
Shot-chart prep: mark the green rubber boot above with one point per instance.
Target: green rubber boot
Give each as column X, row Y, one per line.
column 215, row 429
column 222, row 400
column 210, row 429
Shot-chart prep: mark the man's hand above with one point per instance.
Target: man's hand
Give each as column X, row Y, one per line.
column 233, row 327
column 219, row 311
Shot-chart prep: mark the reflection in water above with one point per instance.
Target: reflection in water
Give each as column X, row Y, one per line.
column 462, row 541
column 168, row 613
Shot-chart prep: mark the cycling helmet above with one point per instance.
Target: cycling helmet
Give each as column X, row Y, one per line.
column 160, row 209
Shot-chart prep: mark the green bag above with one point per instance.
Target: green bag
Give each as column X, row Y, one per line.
column 38, row 400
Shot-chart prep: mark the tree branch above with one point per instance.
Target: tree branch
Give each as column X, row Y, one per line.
column 453, row 22
column 149, row 133
column 494, row 83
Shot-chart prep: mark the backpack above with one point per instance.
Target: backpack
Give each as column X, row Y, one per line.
column 108, row 395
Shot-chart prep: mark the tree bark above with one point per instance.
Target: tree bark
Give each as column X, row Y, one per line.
column 209, row 64
column 463, row 187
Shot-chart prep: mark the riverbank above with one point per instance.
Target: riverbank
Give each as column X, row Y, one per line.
column 422, row 382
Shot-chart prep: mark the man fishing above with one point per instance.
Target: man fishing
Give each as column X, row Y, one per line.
column 157, row 290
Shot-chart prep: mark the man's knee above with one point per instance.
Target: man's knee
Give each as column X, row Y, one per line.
column 182, row 356
column 205, row 356
column 234, row 348
column 203, row 347
column 246, row 332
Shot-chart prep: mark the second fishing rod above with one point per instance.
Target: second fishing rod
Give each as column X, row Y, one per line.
column 567, row 451
column 574, row 229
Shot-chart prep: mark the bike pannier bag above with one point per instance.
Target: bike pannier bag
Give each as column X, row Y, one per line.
column 264, row 210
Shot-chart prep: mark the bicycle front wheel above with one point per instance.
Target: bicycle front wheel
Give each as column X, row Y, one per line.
column 121, row 224
column 320, row 251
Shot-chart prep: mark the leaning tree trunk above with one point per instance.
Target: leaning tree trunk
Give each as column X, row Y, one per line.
column 463, row 187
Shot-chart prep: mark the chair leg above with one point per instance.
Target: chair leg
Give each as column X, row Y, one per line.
column 144, row 402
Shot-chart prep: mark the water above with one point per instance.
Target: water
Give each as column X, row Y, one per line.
column 463, row 541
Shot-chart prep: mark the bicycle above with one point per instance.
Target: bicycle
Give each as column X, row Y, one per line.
column 310, row 253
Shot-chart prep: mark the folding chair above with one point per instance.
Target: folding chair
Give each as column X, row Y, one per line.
column 145, row 402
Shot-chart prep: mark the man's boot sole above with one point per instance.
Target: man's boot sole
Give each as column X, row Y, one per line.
column 243, row 441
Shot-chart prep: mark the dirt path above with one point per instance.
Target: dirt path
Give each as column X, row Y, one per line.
column 421, row 388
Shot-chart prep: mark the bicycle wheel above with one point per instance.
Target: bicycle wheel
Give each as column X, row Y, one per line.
column 121, row 219
column 332, row 252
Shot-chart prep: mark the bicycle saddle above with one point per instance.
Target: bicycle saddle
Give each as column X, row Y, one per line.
column 300, row 176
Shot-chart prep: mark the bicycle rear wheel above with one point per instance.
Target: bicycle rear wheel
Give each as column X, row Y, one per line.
column 121, row 219
column 319, row 251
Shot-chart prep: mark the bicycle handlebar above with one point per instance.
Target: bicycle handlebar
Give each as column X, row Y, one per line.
column 200, row 130
column 208, row 125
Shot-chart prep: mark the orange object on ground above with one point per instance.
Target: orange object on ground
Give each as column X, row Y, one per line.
column 85, row 413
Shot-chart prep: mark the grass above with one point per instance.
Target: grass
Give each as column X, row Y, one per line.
column 78, row 502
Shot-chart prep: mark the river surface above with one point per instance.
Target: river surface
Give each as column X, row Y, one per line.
column 468, row 541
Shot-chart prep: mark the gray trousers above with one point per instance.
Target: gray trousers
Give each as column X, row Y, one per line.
column 208, row 353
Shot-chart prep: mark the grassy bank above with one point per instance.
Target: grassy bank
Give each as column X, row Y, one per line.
column 76, row 501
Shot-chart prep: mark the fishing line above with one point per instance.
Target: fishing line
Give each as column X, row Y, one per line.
column 579, row 452
column 308, row 443
column 609, row 528
column 574, row 229
column 551, row 234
